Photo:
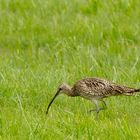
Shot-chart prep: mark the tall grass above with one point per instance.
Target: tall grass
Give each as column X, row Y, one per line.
column 44, row 43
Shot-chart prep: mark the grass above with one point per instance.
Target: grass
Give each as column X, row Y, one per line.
column 44, row 43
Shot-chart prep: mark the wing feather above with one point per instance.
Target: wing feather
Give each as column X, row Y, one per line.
column 90, row 87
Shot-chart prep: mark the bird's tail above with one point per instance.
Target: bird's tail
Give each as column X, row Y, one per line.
column 137, row 90
column 132, row 92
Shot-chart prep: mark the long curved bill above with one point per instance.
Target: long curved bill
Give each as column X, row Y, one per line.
column 52, row 101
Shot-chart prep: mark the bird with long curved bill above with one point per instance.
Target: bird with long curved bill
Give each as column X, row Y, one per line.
column 94, row 89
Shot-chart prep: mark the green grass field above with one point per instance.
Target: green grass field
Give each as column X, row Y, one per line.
column 44, row 43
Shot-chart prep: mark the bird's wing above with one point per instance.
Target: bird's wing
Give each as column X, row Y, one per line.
column 101, row 87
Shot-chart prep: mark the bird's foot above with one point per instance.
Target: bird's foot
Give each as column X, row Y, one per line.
column 93, row 110
column 97, row 110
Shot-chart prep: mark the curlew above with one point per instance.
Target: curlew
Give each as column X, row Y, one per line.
column 94, row 89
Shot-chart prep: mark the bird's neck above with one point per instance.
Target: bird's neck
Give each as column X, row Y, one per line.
column 70, row 92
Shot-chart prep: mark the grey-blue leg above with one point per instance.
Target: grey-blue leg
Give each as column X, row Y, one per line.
column 105, row 105
column 98, row 109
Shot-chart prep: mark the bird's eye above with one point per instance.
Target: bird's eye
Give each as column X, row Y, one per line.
column 60, row 88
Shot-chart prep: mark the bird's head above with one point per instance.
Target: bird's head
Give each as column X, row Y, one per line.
column 62, row 89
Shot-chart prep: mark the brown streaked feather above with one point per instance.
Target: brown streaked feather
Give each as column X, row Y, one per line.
column 90, row 87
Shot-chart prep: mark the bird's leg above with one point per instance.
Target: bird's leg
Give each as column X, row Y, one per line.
column 97, row 109
column 104, row 105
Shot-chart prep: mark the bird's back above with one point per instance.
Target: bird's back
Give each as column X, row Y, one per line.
column 100, row 88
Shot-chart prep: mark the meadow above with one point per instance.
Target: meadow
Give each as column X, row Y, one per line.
column 44, row 43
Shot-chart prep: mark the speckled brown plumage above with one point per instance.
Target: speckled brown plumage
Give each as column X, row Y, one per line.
column 100, row 88
column 94, row 89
